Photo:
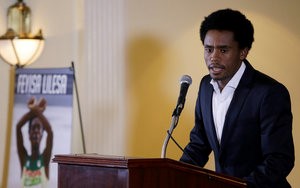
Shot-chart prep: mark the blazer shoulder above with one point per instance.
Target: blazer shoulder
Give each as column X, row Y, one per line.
column 265, row 80
column 259, row 79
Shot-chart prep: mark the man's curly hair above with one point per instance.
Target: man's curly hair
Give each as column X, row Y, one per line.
column 229, row 20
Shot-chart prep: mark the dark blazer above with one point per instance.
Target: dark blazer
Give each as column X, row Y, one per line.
column 257, row 143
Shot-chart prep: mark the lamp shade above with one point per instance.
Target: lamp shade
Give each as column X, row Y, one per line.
column 20, row 52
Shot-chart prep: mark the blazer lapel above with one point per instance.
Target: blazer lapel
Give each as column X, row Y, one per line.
column 237, row 102
column 208, row 114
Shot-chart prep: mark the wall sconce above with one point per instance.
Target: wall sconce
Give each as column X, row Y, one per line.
column 18, row 46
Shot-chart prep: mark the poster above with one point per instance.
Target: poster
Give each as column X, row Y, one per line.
column 42, row 119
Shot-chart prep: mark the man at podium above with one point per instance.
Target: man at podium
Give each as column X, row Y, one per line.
column 241, row 114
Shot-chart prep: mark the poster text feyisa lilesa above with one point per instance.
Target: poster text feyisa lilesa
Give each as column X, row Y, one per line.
column 50, row 84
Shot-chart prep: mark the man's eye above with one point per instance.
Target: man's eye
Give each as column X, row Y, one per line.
column 209, row 50
column 223, row 50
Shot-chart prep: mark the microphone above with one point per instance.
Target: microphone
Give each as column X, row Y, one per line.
column 185, row 82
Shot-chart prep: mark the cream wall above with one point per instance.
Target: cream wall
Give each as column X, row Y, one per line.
column 162, row 45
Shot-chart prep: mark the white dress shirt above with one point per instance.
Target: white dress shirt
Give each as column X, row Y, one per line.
column 222, row 99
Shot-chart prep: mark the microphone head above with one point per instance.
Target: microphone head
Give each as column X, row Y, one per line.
column 186, row 79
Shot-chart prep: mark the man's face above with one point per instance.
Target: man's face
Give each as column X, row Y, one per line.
column 222, row 55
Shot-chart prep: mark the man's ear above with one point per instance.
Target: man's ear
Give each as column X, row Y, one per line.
column 244, row 53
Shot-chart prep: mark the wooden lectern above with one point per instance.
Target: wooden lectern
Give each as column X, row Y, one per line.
column 97, row 171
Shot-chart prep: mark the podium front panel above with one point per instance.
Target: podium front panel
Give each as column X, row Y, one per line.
column 120, row 172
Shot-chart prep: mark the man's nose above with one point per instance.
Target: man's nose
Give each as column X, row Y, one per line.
column 214, row 55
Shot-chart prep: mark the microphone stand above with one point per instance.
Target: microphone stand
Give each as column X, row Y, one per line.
column 174, row 122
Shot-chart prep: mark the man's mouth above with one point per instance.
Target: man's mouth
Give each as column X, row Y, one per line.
column 215, row 69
